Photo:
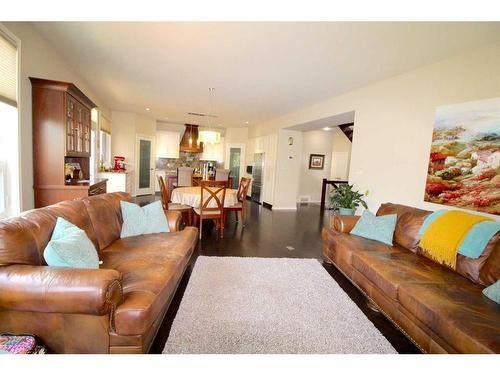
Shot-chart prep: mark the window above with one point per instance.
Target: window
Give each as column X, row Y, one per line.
column 105, row 151
column 9, row 141
column 94, row 116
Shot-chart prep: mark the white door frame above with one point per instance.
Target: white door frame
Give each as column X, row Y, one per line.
column 242, row 157
column 151, row 189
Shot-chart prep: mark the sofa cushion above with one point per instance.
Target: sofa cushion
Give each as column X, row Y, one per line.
column 24, row 238
column 105, row 212
column 459, row 314
column 378, row 228
column 484, row 270
column 490, row 271
column 410, row 220
column 151, row 267
column 342, row 246
column 493, row 292
column 391, row 268
column 17, row 244
column 70, row 247
column 139, row 220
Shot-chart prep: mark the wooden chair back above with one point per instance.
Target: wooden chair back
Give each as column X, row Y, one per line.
column 184, row 176
column 212, row 191
column 165, row 196
column 243, row 189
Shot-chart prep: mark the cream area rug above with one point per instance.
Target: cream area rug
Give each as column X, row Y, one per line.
column 269, row 305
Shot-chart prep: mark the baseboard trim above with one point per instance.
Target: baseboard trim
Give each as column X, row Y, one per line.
column 285, row 208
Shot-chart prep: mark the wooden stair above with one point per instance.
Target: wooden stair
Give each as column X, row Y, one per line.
column 348, row 130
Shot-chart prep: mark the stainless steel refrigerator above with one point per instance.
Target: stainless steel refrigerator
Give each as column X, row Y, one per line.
column 257, row 176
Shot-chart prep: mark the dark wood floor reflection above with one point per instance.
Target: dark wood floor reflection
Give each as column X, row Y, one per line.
column 293, row 234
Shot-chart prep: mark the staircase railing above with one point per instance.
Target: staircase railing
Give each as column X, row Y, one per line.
column 334, row 183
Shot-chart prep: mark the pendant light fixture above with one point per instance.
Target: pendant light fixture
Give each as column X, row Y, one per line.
column 209, row 136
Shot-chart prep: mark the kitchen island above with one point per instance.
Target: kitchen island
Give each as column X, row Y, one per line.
column 118, row 181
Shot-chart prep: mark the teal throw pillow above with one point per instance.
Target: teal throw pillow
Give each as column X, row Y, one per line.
column 493, row 292
column 143, row 220
column 70, row 247
column 378, row 228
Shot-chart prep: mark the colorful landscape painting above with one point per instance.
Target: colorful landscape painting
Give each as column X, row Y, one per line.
column 464, row 161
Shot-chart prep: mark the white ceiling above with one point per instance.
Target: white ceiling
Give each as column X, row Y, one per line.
column 260, row 70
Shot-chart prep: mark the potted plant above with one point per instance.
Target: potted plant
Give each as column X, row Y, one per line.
column 346, row 199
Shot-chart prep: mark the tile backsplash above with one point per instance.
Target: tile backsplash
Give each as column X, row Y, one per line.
column 186, row 159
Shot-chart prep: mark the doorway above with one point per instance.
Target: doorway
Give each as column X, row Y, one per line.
column 235, row 160
column 145, row 165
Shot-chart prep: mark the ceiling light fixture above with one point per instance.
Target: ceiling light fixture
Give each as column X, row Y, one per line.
column 147, row 108
column 326, row 128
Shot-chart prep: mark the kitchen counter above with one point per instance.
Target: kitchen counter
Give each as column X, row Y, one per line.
column 115, row 172
column 86, row 185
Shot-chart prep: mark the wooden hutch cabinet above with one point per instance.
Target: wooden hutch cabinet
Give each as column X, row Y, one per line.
column 77, row 128
column 61, row 134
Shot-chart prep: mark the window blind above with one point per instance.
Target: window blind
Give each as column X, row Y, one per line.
column 8, row 71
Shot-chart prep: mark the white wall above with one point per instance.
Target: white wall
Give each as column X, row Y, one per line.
column 145, row 125
column 341, row 155
column 311, row 180
column 236, row 135
column 123, row 137
column 288, row 167
column 124, row 131
column 394, row 120
column 38, row 59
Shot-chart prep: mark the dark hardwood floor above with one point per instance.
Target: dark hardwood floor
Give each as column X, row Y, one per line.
column 292, row 234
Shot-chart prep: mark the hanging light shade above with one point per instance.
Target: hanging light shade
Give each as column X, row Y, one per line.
column 209, row 136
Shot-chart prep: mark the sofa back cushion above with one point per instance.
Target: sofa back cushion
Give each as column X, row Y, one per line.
column 106, row 216
column 409, row 221
column 484, row 270
column 17, row 244
column 24, row 238
column 489, row 269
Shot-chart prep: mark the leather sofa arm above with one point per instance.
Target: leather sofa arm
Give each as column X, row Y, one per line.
column 174, row 219
column 343, row 224
column 60, row 290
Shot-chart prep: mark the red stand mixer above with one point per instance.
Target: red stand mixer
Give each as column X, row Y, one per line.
column 119, row 163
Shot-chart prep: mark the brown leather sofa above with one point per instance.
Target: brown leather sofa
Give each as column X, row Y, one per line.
column 441, row 310
column 115, row 309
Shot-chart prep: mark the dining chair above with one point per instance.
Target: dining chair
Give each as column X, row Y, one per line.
column 185, row 176
column 184, row 209
column 222, row 174
column 240, row 206
column 211, row 191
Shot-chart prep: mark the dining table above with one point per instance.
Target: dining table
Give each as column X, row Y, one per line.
column 191, row 196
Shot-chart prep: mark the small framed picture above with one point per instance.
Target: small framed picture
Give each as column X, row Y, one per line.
column 316, row 161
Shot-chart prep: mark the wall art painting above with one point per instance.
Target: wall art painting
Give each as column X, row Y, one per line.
column 464, row 162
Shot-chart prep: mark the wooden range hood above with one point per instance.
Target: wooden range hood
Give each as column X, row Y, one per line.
column 191, row 131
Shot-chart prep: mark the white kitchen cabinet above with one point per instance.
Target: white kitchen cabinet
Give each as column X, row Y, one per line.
column 167, row 144
column 117, row 181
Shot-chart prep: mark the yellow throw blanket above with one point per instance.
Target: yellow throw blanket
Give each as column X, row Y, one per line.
column 442, row 239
